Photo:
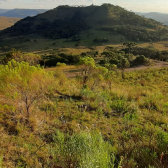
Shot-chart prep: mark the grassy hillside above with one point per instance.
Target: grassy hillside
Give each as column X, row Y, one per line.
column 49, row 120
column 67, row 22
column 84, row 97
column 7, row 22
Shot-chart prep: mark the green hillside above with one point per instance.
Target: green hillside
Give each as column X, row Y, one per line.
column 49, row 120
column 66, row 21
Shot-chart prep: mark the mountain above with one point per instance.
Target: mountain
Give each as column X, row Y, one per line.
column 3, row 10
column 160, row 17
column 7, row 22
column 67, row 21
column 22, row 13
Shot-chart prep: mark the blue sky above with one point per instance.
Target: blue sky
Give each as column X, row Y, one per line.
column 134, row 5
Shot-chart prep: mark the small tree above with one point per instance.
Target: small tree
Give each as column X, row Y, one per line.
column 98, row 76
column 129, row 46
column 109, row 53
column 87, row 68
column 91, row 71
column 112, row 71
column 21, row 85
column 141, row 60
column 124, row 63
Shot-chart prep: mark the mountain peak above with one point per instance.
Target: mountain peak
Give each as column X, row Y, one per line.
column 66, row 21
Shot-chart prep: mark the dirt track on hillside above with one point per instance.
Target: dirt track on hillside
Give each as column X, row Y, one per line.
column 156, row 64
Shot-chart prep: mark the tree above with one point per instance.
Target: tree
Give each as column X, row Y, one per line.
column 141, row 60
column 98, row 75
column 88, row 66
column 109, row 48
column 129, row 45
column 22, row 86
column 109, row 55
column 91, row 72
column 112, row 71
column 32, row 59
column 124, row 63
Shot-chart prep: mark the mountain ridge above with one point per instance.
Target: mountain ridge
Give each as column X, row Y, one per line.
column 22, row 13
column 66, row 21
column 160, row 17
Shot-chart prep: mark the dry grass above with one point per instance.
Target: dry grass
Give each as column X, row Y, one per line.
column 69, row 70
column 7, row 22
column 158, row 45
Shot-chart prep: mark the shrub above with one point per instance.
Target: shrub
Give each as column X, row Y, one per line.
column 61, row 64
column 83, row 150
column 22, row 86
column 141, row 60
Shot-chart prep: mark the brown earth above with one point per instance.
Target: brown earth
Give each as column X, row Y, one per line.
column 155, row 64
column 6, row 22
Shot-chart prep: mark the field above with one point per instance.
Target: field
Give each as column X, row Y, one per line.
column 7, row 22
column 41, row 45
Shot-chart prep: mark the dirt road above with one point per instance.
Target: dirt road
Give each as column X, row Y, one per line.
column 156, row 64
column 72, row 71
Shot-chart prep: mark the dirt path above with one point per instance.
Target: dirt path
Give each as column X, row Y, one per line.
column 157, row 64
column 72, row 71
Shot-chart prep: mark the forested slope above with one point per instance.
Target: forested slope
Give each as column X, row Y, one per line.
column 66, row 21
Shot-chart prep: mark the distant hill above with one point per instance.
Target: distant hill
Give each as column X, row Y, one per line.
column 7, row 22
column 160, row 17
column 3, row 10
column 22, row 13
column 67, row 21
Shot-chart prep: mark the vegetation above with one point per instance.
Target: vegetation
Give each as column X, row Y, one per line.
column 52, row 60
column 49, row 120
column 137, row 34
column 150, row 52
column 32, row 59
column 87, row 110
column 67, row 21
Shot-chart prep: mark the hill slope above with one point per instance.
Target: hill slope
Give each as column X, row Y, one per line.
column 66, row 21
column 22, row 13
column 7, row 22
column 3, row 10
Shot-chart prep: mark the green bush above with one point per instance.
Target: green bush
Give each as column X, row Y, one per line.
column 61, row 64
column 141, row 60
column 84, row 150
